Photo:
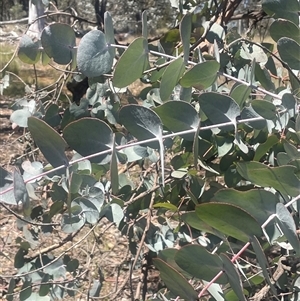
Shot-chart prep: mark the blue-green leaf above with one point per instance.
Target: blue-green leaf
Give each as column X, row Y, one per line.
column 95, row 55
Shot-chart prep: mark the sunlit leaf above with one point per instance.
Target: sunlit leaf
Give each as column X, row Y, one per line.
column 132, row 63
column 171, row 77
column 201, row 76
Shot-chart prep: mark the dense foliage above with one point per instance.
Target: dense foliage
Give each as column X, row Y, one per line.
column 201, row 171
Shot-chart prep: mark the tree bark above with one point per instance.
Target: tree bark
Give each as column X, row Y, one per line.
column 36, row 24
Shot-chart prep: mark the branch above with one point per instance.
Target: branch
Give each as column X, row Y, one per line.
column 23, row 20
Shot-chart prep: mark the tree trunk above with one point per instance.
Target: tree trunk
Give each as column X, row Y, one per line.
column 35, row 25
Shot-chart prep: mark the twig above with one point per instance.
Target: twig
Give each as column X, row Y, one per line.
column 277, row 274
column 233, row 259
column 149, row 215
column 25, row 220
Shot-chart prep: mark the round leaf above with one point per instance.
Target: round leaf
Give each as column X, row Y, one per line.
column 219, row 108
column 58, row 41
column 285, row 9
column 20, row 117
column 95, row 56
column 88, row 136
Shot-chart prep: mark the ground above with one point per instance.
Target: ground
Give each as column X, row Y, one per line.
column 104, row 252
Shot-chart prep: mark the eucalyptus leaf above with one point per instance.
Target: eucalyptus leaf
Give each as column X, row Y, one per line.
column 133, row 62
column 281, row 178
column 98, row 138
column 219, row 108
column 142, row 123
column 288, row 227
column 58, row 41
column 206, row 267
column 201, row 76
column 229, row 219
column 233, row 277
column 170, row 78
column 289, row 52
column 95, row 55
column 285, row 9
column 29, row 51
column 284, row 28
column 175, row 282
column 179, row 116
column 51, row 144
column 185, row 28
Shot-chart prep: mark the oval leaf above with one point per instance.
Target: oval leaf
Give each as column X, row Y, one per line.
column 170, row 78
column 284, row 28
column 264, row 108
column 175, row 282
column 141, row 122
column 281, row 178
column 20, row 117
column 94, row 56
column 219, row 108
column 89, row 136
column 132, row 63
column 289, row 52
column 50, row 143
column 179, row 116
column 205, row 267
column 201, row 76
column 285, row 9
column 229, row 220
